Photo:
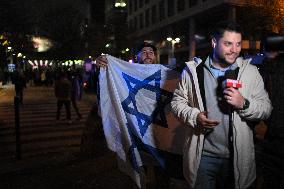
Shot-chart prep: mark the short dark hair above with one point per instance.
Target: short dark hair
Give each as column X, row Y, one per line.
column 146, row 44
column 223, row 26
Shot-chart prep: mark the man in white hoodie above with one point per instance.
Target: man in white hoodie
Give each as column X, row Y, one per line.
column 220, row 149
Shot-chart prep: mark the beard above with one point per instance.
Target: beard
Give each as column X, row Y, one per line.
column 147, row 61
column 223, row 60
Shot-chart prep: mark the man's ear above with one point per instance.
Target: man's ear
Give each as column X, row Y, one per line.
column 213, row 42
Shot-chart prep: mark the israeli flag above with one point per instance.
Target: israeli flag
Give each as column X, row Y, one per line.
column 137, row 122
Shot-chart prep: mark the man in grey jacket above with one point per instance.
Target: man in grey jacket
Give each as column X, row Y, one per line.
column 219, row 152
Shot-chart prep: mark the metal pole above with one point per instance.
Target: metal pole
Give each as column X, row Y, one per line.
column 17, row 127
column 173, row 48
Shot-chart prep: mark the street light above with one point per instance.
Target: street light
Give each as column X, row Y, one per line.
column 172, row 54
column 173, row 42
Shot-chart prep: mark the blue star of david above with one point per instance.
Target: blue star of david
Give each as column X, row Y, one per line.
column 137, row 143
column 163, row 97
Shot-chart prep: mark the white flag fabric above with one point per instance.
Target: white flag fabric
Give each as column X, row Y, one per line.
column 136, row 117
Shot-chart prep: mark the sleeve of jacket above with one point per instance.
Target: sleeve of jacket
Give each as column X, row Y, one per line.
column 182, row 103
column 260, row 106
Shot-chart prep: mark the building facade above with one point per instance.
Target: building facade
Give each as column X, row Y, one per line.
column 116, row 28
column 190, row 21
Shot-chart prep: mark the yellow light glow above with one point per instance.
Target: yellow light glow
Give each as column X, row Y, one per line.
column 41, row 44
column 6, row 43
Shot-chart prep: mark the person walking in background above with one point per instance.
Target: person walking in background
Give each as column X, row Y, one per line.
column 62, row 90
column 220, row 149
column 77, row 89
column 43, row 77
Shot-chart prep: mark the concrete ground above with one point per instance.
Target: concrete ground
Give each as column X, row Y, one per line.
column 94, row 167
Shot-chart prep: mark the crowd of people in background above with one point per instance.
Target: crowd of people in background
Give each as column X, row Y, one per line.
column 68, row 83
column 46, row 76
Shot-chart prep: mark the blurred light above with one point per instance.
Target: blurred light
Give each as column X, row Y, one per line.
column 41, row 44
column 107, row 45
column 9, row 48
column 127, row 49
column 123, row 51
column 78, row 62
column 6, row 42
column 169, row 39
column 130, row 61
column 30, row 62
column 199, row 37
column 245, row 44
column 120, row 4
column 90, row 56
column 19, row 55
column 177, row 40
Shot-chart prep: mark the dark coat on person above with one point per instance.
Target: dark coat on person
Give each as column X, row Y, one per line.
column 63, row 89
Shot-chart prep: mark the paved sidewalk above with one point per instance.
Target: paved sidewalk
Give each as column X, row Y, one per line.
column 65, row 171
column 94, row 167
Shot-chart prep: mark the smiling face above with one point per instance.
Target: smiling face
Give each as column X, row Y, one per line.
column 147, row 56
column 226, row 49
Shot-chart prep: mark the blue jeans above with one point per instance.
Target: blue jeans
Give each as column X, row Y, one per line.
column 214, row 172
